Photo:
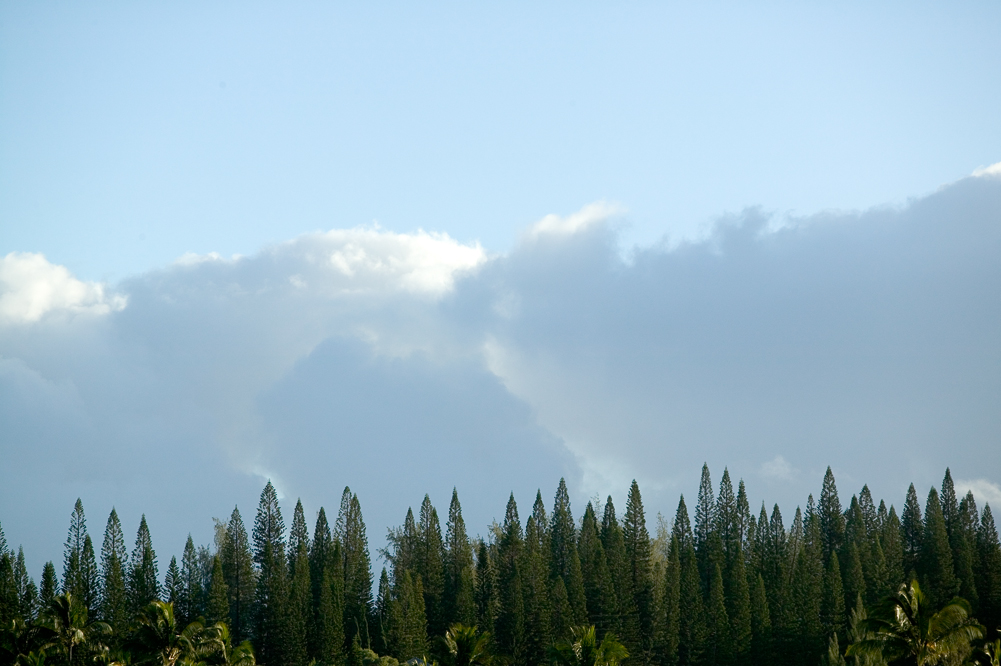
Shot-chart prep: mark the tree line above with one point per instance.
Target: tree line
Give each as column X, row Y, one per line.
column 724, row 586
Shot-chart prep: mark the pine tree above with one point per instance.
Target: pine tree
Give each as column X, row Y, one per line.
column 460, row 602
column 637, row 545
column 869, row 514
column 350, row 533
column 10, row 607
column 964, row 548
column 704, row 526
column 326, row 575
column 807, row 592
column 853, row 579
column 671, row 600
column 989, row 578
column 625, row 623
column 89, row 584
column 832, row 523
column 270, row 639
column 410, row 621
column 299, row 605
column 3, row 542
column 143, row 586
column 959, row 542
column 539, row 597
column 487, row 600
column 217, row 601
column 564, row 559
column 510, row 623
column 190, row 603
column 692, row 623
column 911, row 530
column 935, row 565
column 239, row 577
column 49, row 584
column 298, row 535
column 725, row 521
column 172, row 583
column 430, row 566
column 27, row 593
column 598, row 590
column 720, row 640
column 738, row 607
column 73, row 552
column 761, row 624
column 892, row 544
column 745, row 520
column 833, row 608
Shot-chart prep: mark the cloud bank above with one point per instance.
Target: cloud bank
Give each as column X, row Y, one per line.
column 401, row 364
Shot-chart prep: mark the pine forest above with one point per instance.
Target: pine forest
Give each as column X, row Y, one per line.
column 841, row 582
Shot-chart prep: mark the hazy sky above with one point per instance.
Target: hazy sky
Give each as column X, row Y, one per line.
column 405, row 247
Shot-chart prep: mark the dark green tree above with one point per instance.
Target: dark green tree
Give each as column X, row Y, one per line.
column 989, row 573
column 719, row 646
column 510, row 622
column 217, row 601
column 833, row 608
column 963, row 540
column 190, row 605
column 239, row 577
column 692, row 623
column 853, row 579
column 48, row 586
column 564, row 559
column 542, row 601
column 671, row 600
column 460, row 595
column 891, row 541
column 487, row 597
column 299, row 607
column 143, row 579
column 832, row 522
column 172, row 583
column 626, row 621
column 937, row 575
column 350, row 533
column 598, row 590
column 761, row 624
column 27, row 592
column 430, row 566
column 738, row 607
column 73, row 582
column 638, row 557
column 704, row 526
column 270, row 628
column 911, row 531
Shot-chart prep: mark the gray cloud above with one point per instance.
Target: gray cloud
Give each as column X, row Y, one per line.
column 404, row 364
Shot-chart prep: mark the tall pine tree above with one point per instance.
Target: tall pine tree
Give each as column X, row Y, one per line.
column 143, row 579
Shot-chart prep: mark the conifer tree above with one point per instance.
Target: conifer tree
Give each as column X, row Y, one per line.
column 719, row 646
column 564, row 559
column 89, row 585
column 460, row 602
column 10, row 607
column 73, row 552
column 808, row 590
column 989, row 578
column 541, row 604
column 217, row 601
column 409, row 633
column 172, row 583
column 350, row 533
column 49, row 585
column 598, row 590
column 625, row 623
column 298, row 535
column 725, row 521
column 704, row 526
column 959, row 541
column 869, row 514
column 832, row 523
column 190, row 603
column 430, row 566
column 964, row 549
column 143, row 584
column 761, row 624
column 938, row 577
column 671, row 601
column 911, row 530
column 510, row 622
column 270, row 638
column 637, row 545
column 487, row 600
column 299, row 607
column 561, row 618
column 239, row 577
column 27, row 593
column 892, row 544
column 745, row 520
column 3, row 542
column 833, row 608
column 853, row 580
column 738, row 607
column 692, row 623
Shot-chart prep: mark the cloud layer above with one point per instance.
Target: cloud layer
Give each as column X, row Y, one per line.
column 401, row 364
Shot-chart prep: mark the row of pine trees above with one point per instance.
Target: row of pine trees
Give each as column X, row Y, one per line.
column 726, row 588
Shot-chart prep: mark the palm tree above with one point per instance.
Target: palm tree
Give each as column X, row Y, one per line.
column 65, row 628
column 159, row 641
column 906, row 630
column 465, row 646
column 583, row 649
column 220, row 650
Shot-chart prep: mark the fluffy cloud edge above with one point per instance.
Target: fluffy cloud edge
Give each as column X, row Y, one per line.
column 31, row 288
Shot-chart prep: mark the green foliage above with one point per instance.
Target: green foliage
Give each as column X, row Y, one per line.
column 239, row 576
column 465, row 645
column 113, row 607
column 142, row 584
column 935, row 563
column 581, row 648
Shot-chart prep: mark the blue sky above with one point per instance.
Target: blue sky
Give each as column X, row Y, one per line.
column 614, row 241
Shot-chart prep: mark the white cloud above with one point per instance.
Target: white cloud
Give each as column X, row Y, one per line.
column 983, row 491
column 587, row 217
column 31, row 287
column 778, row 468
column 992, row 170
column 363, row 260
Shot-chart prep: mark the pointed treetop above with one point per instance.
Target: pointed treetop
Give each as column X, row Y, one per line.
column 704, row 509
column 299, row 534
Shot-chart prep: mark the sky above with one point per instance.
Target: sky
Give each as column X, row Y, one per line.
column 404, row 248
